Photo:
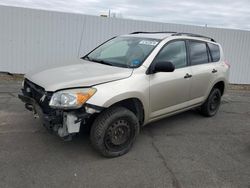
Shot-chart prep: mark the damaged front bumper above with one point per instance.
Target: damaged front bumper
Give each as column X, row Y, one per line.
column 63, row 122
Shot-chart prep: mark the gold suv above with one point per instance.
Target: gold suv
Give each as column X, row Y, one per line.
column 127, row 82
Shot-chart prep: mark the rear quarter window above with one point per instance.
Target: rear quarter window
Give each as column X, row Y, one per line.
column 214, row 51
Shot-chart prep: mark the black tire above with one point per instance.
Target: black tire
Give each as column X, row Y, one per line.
column 212, row 104
column 114, row 131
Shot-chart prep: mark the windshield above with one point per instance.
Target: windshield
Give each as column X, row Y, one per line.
column 127, row 52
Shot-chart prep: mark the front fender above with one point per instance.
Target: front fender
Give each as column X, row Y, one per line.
column 136, row 86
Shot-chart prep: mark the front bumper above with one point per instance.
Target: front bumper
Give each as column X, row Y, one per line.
column 63, row 122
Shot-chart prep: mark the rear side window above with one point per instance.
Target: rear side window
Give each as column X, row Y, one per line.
column 198, row 52
column 214, row 51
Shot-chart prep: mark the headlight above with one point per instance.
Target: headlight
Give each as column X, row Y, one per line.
column 71, row 99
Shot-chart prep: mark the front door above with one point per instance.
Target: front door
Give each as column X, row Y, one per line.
column 169, row 91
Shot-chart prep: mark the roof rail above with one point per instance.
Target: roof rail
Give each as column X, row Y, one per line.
column 193, row 35
column 149, row 32
column 174, row 33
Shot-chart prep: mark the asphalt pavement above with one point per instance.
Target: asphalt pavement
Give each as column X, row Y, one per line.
column 186, row 150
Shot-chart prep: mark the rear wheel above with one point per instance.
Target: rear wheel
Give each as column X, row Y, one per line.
column 114, row 131
column 212, row 104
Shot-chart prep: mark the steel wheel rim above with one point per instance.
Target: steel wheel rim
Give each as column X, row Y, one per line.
column 214, row 102
column 118, row 135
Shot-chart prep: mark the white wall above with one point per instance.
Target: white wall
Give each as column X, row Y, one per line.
column 32, row 38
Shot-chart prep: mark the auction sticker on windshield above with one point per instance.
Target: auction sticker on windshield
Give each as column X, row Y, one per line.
column 149, row 42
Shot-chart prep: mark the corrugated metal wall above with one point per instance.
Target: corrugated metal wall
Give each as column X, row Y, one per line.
column 33, row 38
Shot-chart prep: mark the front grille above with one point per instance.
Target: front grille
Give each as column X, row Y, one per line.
column 37, row 92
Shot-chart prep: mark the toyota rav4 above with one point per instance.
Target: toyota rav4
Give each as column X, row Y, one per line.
column 126, row 83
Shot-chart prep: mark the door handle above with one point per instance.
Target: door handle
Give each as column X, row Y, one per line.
column 214, row 71
column 187, row 76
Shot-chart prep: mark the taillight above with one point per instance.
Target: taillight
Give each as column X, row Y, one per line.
column 226, row 63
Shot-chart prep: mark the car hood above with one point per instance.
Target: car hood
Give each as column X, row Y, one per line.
column 81, row 74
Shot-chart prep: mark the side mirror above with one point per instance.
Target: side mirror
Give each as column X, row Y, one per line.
column 163, row 67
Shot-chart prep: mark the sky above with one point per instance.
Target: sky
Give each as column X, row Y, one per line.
column 215, row 13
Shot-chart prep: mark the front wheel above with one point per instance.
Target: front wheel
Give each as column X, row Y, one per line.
column 212, row 104
column 114, row 131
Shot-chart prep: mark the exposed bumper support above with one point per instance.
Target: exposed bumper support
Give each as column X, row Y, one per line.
column 32, row 105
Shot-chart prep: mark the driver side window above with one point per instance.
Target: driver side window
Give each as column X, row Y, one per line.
column 174, row 52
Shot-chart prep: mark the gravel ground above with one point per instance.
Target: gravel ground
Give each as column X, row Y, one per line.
column 186, row 150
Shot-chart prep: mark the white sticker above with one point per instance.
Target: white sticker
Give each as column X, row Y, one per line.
column 149, row 42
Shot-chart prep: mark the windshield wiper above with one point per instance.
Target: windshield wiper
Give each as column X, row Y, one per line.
column 87, row 58
column 98, row 61
column 102, row 62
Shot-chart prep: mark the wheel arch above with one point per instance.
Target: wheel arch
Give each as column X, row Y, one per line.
column 220, row 85
column 133, row 104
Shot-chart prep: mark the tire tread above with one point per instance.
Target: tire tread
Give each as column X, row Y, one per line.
column 100, row 124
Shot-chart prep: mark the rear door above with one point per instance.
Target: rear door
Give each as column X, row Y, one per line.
column 203, row 70
column 215, row 57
